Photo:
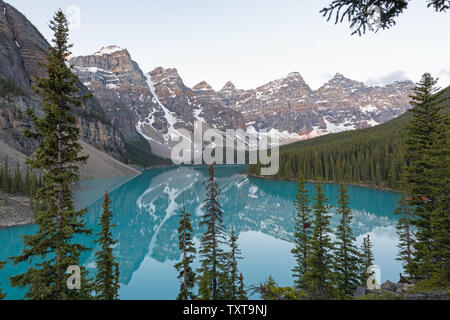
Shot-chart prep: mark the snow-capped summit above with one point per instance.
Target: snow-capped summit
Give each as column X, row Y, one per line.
column 109, row 50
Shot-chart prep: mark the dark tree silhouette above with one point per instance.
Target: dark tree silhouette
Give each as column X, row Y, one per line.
column 360, row 12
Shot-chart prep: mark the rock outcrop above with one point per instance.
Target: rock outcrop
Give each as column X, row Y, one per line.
column 398, row 291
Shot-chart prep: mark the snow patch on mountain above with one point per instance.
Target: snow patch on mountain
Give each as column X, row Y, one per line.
column 333, row 128
column 108, row 50
column 369, row 109
column 170, row 118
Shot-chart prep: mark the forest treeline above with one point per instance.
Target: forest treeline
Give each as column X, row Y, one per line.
column 13, row 182
column 373, row 156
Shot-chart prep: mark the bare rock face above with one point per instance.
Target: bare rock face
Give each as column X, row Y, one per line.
column 201, row 103
column 351, row 103
column 22, row 48
column 118, row 85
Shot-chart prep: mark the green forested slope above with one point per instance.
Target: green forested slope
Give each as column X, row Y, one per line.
column 371, row 156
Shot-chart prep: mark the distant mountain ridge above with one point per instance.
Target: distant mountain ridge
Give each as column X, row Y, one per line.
column 289, row 104
column 158, row 103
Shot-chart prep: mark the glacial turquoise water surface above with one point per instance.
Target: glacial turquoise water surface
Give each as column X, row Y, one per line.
column 261, row 211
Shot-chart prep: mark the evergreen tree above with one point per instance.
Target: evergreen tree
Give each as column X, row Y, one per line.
column 5, row 182
column 16, row 184
column 211, row 251
column 319, row 278
column 235, row 279
column 269, row 290
column 302, row 233
column 27, row 182
column 34, row 185
column 242, row 294
column 405, row 234
column 107, row 278
column 186, row 246
column 368, row 259
column 423, row 170
column 204, row 286
column 54, row 248
column 440, row 216
column 347, row 255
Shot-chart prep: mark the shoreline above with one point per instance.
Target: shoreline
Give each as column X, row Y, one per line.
column 324, row 182
column 16, row 212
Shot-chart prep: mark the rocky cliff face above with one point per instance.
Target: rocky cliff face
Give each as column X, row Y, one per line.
column 22, row 48
column 118, row 85
column 290, row 109
column 200, row 103
column 154, row 106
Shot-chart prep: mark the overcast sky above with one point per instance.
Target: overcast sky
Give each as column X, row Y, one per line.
column 252, row 42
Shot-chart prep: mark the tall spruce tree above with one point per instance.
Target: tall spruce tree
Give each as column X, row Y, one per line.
column 302, row 233
column 204, row 286
column 187, row 248
column 16, row 182
column 6, row 180
column 27, row 182
column 214, row 237
column 423, row 171
column 368, row 259
column 319, row 278
column 242, row 293
column 54, row 247
column 235, row 254
column 405, row 234
column 348, row 258
column 440, row 216
column 107, row 278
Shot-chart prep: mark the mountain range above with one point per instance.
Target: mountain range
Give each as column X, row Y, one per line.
column 158, row 103
column 134, row 115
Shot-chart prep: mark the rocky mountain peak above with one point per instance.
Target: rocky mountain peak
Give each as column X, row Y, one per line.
column 161, row 74
column 109, row 50
column 110, row 58
column 106, row 66
column 229, row 86
column 202, row 86
column 340, row 82
column 295, row 76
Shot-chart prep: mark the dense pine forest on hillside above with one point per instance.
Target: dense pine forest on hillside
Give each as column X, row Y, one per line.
column 373, row 156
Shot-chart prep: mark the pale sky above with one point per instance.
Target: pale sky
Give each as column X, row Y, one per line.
column 252, row 42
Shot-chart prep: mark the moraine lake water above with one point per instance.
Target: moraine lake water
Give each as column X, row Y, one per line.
column 261, row 211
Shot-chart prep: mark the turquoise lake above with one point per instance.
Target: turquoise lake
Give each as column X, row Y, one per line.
column 146, row 212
